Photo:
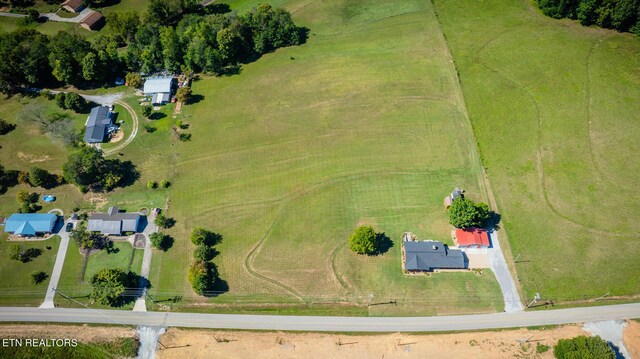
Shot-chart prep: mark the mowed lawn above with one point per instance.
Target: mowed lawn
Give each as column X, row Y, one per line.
column 73, row 284
column 363, row 124
column 16, row 288
column 555, row 110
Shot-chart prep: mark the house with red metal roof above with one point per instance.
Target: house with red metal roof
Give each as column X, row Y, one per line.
column 470, row 238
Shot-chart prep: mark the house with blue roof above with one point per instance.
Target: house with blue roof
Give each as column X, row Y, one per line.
column 30, row 224
column 99, row 123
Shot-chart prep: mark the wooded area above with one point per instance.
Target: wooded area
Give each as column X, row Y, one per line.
column 621, row 15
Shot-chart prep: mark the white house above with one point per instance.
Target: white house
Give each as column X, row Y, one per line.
column 159, row 88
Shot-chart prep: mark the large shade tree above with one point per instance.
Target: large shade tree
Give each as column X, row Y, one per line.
column 465, row 213
column 364, row 241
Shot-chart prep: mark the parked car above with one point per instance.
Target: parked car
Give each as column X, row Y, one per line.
column 69, row 227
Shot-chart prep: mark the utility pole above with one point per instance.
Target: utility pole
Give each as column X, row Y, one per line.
column 535, row 298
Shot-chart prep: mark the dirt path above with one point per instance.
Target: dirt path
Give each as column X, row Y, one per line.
column 134, row 131
column 181, row 343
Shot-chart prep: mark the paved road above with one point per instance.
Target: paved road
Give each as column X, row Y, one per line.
column 338, row 324
column 57, row 267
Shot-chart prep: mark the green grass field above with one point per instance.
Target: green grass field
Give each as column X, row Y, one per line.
column 555, row 108
column 15, row 287
column 72, row 285
column 364, row 124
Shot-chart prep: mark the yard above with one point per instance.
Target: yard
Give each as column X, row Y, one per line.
column 554, row 106
column 16, row 288
column 122, row 255
column 363, row 124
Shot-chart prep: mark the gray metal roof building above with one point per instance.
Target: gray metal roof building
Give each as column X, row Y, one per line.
column 113, row 222
column 97, row 124
column 159, row 88
column 430, row 255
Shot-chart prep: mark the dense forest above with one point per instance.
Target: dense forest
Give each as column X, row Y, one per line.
column 621, row 15
column 173, row 36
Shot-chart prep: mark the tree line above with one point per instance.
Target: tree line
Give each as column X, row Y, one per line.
column 174, row 36
column 621, row 15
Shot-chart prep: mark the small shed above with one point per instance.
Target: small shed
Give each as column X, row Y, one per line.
column 93, row 21
column 470, row 238
column 73, row 5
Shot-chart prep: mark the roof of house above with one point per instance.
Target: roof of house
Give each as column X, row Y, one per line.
column 74, row 4
column 429, row 255
column 92, row 19
column 97, row 123
column 30, row 223
column 99, row 115
column 158, row 84
column 472, row 237
column 95, row 134
column 114, row 222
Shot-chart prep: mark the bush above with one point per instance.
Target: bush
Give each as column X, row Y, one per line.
column 133, row 79
column 201, row 236
column 147, row 110
column 148, row 128
column 465, row 213
column 165, row 184
column 164, row 222
column 364, row 241
column 204, row 252
column 184, row 94
column 583, row 347
column 39, row 177
column 75, row 102
column 6, row 127
column 152, row 184
column 19, row 253
column 38, row 277
column 60, row 100
column 23, row 177
column 47, row 95
column 202, row 276
column 184, row 137
column 161, row 241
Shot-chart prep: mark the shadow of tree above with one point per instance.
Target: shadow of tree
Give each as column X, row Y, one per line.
column 157, row 116
column 219, row 287
column 384, row 244
column 303, row 34
column 493, row 223
column 217, row 8
column 195, row 98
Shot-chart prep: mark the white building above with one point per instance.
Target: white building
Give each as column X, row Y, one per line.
column 160, row 89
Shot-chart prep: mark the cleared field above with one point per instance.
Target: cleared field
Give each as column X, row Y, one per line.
column 363, row 124
column 15, row 287
column 555, row 110
column 26, row 147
